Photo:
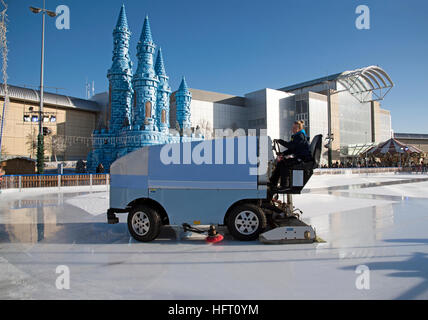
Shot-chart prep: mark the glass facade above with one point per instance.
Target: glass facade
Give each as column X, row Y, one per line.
column 355, row 120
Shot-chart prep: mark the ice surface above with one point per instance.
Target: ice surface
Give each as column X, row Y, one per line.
column 383, row 227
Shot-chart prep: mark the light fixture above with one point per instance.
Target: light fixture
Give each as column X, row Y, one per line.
column 38, row 10
column 51, row 13
column 35, row 10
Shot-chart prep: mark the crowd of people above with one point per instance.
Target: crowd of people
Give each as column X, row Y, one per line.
column 421, row 166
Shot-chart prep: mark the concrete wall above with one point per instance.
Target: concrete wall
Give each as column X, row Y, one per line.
column 212, row 110
column 70, row 123
column 318, row 120
column 256, row 113
column 383, row 125
column 279, row 108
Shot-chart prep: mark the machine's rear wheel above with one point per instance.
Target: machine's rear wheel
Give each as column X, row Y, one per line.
column 144, row 223
column 246, row 222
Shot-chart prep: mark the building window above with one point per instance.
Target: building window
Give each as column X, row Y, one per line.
column 148, row 109
column 163, row 116
column 257, row 122
column 53, row 118
column 46, row 119
column 302, row 116
column 34, row 119
column 27, row 118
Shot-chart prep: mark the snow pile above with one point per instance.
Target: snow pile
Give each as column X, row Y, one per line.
column 93, row 203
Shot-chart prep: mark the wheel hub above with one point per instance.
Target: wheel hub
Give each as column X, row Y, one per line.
column 141, row 223
column 246, row 222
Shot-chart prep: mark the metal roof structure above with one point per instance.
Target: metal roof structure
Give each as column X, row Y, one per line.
column 310, row 83
column 31, row 95
column 354, row 150
column 415, row 136
column 365, row 84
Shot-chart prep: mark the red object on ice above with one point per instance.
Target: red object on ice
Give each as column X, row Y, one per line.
column 214, row 239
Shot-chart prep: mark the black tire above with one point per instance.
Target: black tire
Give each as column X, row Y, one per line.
column 251, row 227
column 146, row 225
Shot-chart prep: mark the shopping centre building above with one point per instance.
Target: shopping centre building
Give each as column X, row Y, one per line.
column 353, row 97
column 356, row 117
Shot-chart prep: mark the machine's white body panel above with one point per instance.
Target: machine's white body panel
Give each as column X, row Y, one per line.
column 289, row 234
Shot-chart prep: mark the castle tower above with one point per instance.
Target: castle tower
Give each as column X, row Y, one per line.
column 145, row 82
column 163, row 94
column 119, row 76
column 139, row 103
column 183, row 97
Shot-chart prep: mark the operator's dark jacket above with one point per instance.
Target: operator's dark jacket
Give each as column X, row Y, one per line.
column 298, row 146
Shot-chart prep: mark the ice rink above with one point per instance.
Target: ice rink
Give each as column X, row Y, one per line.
column 380, row 221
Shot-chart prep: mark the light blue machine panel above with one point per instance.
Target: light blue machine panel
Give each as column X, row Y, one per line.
column 193, row 181
column 204, row 206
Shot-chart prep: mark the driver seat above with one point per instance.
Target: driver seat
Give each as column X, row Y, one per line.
column 301, row 173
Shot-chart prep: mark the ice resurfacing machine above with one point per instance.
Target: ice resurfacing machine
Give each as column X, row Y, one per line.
column 213, row 182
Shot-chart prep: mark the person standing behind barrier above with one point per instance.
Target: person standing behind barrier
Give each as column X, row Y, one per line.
column 100, row 168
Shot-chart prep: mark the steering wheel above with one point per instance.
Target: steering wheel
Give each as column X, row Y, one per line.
column 275, row 147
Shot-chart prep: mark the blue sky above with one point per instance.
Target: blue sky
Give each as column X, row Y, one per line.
column 233, row 46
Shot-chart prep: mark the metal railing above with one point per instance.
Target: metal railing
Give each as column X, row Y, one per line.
column 99, row 179
column 53, row 180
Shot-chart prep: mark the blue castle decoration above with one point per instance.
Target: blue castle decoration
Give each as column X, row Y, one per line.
column 139, row 103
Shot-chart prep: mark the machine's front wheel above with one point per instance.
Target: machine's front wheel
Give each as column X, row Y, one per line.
column 246, row 222
column 144, row 223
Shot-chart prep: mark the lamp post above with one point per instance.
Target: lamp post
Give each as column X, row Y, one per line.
column 40, row 144
column 330, row 133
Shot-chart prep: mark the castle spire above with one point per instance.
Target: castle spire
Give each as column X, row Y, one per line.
column 121, row 36
column 163, row 94
column 183, row 86
column 122, row 22
column 183, row 98
column 120, row 75
column 146, row 34
column 145, row 81
column 159, row 65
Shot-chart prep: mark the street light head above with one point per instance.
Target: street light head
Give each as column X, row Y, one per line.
column 51, row 13
column 35, row 10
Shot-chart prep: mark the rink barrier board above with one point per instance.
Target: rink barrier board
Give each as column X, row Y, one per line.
column 20, row 182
